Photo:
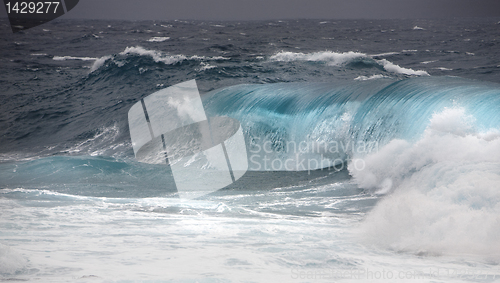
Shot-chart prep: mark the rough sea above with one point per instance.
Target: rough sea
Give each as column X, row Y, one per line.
column 407, row 111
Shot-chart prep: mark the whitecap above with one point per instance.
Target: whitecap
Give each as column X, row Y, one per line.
column 445, row 197
column 338, row 59
column 156, row 55
column 99, row 63
column 393, row 68
column 372, row 77
column 63, row 58
column 158, row 38
column 331, row 58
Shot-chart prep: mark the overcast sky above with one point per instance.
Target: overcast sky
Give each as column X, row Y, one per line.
column 280, row 9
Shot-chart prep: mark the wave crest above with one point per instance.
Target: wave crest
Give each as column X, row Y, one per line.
column 338, row 59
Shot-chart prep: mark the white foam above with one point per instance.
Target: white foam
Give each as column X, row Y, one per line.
column 428, row 62
column 103, row 142
column 393, row 68
column 331, row 58
column 156, row 55
column 384, row 54
column 445, row 190
column 205, row 66
column 372, row 77
column 99, row 63
column 418, row 28
column 63, row 58
column 218, row 58
column 11, row 261
column 158, row 38
column 168, row 59
column 337, row 59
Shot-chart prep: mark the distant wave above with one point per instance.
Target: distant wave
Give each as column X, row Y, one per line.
column 337, row 59
column 349, row 59
column 63, row 58
column 158, row 38
column 373, row 77
column 157, row 56
column 166, row 58
column 445, row 189
column 331, row 58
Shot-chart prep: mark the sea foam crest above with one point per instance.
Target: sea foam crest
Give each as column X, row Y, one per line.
column 64, row 58
column 157, row 56
column 445, row 196
column 11, row 261
column 158, row 38
column 331, row 58
column 337, row 59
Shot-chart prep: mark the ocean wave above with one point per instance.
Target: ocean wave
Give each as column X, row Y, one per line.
column 11, row 261
column 384, row 54
column 372, row 77
column 99, row 63
column 445, row 196
column 393, row 68
column 157, row 56
column 98, row 176
column 63, row 58
column 327, row 124
column 158, row 38
column 205, row 66
column 338, row 59
column 331, row 58
column 120, row 59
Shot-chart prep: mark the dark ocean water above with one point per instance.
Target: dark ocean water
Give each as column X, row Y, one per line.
column 425, row 205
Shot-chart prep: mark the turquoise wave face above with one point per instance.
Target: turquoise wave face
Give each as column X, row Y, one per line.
column 303, row 126
column 91, row 176
column 332, row 122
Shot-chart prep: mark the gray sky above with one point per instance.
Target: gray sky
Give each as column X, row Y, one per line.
column 280, row 9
